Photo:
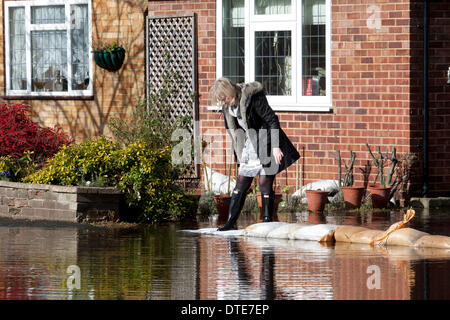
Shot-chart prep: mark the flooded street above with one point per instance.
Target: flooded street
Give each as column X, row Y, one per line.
column 38, row 259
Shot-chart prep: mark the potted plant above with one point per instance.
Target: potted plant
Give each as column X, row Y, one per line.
column 381, row 193
column 317, row 199
column 109, row 56
column 352, row 194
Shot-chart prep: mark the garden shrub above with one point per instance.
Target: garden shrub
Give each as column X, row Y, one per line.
column 21, row 137
column 144, row 175
column 16, row 169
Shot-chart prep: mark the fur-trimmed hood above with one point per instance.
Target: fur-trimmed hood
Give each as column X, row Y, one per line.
column 246, row 91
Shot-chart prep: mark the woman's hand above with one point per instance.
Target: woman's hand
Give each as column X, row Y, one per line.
column 277, row 154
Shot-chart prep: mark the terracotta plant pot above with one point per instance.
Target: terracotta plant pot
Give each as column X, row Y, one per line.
column 379, row 195
column 222, row 202
column 316, row 200
column 278, row 198
column 352, row 196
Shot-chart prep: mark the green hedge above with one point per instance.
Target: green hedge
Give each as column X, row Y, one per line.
column 145, row 176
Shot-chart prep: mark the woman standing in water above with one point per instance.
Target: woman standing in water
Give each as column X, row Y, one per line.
column 259, row 144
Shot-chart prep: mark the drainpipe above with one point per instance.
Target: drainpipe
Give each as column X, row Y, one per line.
column 425, row 99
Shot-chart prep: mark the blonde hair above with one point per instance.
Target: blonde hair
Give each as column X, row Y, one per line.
column 222, row 86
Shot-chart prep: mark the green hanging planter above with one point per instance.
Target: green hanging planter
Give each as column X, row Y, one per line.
column 110, row 60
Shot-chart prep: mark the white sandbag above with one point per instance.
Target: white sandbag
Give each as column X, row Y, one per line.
column 433, row 241
column 219, row 182
column 366, row 236
column 319, row 232
column 261, row 230
column 343, row 233
column 285, row 231
column 402, row 237
column 332, row 186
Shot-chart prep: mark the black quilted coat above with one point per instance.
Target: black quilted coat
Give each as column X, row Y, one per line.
column 264, row 126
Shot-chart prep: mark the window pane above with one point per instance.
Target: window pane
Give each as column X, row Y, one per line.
column 313, row 45
column 272, row 6
column 17, row 54
column 49, row 60
column 80, row 46
column 273, row 61
column 48, row 15
column 233, row 61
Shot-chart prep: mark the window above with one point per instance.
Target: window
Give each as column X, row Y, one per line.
column 284, row 44
column 48, row 48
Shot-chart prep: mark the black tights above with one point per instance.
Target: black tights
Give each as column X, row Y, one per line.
column 265, row 184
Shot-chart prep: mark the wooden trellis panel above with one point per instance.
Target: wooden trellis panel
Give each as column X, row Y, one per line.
column 171, row 48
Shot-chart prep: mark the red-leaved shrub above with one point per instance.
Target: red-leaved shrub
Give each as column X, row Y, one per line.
column 18, row 133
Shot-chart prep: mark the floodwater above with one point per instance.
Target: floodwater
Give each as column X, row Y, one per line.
column 49, row 261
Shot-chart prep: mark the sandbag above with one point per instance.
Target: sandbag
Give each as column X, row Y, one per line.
column 343, row 233
column 218, row 182
column 285, row 231
column 433, row 241
column 262, row 229
column 366, row 236
column 332, row 186
column 402, row 237
column 396, row 226
column 319, row 232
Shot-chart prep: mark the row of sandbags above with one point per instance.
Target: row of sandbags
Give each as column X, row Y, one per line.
column 346, row 234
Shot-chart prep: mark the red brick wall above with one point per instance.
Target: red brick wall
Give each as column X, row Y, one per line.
column 376, row 84
column 371, row 87
column 439, row 95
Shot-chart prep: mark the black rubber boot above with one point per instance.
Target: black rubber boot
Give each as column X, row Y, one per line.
column 236, row 204
column 267, row 206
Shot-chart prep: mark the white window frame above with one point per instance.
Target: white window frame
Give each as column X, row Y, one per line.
column 33, row 27
column 292, row 21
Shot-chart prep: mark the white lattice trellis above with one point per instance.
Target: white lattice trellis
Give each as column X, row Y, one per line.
column 171, row 49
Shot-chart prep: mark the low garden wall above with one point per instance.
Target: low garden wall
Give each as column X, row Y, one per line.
column 58, row 203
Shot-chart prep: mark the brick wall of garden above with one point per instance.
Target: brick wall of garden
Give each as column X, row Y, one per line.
column 59, row 203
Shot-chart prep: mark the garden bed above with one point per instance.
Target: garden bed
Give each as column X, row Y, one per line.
column 59, row 203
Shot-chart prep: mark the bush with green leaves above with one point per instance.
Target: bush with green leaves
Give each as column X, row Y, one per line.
column 145, row 176
column 12, row 169
column 78, row 163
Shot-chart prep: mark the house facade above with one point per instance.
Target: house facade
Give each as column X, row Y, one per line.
column 339, row 74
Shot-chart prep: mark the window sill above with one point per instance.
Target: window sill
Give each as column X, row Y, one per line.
column 294, row 108
column 36, row 97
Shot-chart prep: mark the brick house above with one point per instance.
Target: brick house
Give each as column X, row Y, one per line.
column 339, row 73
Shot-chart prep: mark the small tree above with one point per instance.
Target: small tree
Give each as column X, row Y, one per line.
column 381, row 162
column 348, row 178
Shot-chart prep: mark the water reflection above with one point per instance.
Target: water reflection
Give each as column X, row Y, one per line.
column 160, row 263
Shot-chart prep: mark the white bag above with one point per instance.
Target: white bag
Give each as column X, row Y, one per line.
column 286, row 231
column 218, row 182
column 261, row 230
column 318, row 232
